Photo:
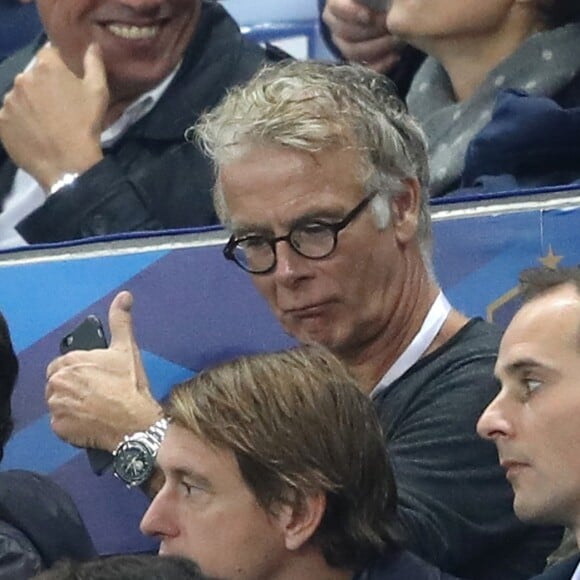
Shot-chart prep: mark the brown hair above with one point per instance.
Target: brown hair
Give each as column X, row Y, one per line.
column 125, row 567
column 535, row 282
column 298, row 424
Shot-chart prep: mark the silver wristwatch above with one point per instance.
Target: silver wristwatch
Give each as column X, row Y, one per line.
column 134, row 458
column 65, row 180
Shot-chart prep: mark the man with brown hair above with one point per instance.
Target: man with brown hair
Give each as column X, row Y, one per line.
column 275, row 469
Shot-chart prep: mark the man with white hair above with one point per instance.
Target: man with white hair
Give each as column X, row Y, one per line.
column 321, row 179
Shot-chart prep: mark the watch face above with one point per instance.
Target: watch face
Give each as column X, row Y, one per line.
column 134, row 463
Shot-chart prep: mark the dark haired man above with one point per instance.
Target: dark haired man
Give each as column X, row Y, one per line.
column 534, row 419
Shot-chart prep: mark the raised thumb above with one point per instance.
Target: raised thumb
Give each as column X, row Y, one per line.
column 121, row 321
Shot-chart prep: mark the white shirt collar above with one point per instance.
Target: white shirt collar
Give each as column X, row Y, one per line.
column 136, row 110
column 26, row 194
column 431, row 326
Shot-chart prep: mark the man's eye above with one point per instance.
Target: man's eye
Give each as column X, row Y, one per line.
column 254, row 243
column 313, row 231
column 315, row 226
column 532, row 384
column 189, row 488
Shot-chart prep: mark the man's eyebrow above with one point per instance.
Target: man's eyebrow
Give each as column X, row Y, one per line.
column 240, row 230
column 333, row 213
column 523, row 363
column 526, row 364
column 191, row 475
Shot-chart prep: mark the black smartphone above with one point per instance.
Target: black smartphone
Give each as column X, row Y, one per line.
column 89, row 334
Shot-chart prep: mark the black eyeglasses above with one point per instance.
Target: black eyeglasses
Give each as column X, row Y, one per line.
column 314, row 239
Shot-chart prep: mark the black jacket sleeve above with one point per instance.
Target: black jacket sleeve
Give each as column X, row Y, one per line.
column 171, row 191
column 19, row 560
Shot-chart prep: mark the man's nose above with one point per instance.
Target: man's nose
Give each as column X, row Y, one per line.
column 494, row 422
column 159, row 520
column 290, row 265
column 143, row 6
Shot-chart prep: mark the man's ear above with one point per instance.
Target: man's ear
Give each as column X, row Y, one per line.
column 300, row 521
column 405, row 208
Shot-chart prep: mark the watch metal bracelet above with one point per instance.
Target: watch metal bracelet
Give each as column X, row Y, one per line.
column 134, row 457
column 152, row 437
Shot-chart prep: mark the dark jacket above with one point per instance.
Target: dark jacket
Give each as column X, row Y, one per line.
column 39, row 524
column 562, row 571
column 19, row 24
column 401, row 74
column 529, row 142
column 151, row 179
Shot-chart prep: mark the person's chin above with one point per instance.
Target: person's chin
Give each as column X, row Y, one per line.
column 402, row 29
column 311, row 319
column 528, row 511
column 310, row 331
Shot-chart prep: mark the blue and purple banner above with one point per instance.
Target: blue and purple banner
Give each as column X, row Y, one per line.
column 192, row 309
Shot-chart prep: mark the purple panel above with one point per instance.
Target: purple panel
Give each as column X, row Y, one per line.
column 111, row 511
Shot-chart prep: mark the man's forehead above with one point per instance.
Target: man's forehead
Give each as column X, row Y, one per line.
column 181, row 449
column 516, row 363
column 285, row 169
column 549, row 310
column 547, row 323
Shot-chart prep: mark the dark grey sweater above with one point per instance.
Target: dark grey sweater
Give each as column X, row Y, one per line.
column 455, row 502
